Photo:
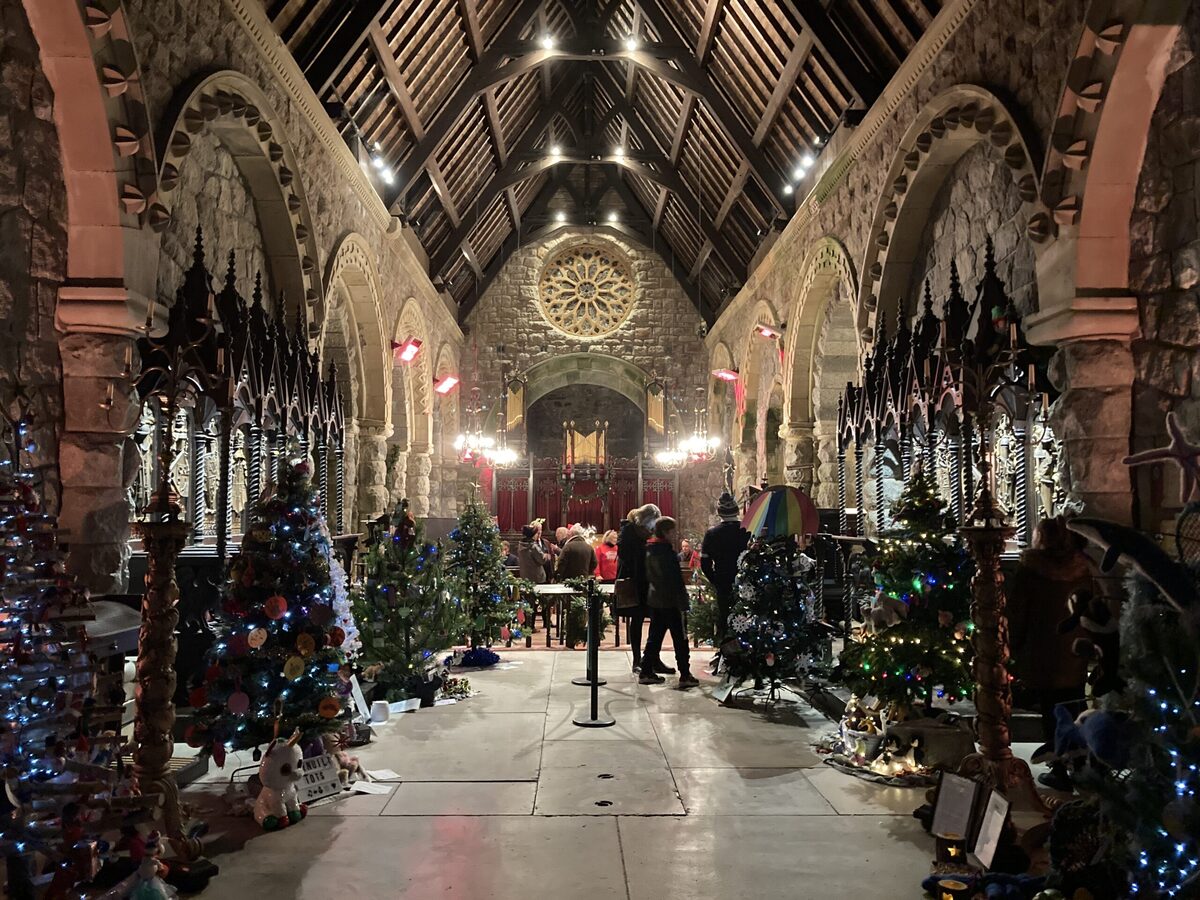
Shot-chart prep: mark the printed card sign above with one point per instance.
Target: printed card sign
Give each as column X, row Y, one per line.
column 318, row 778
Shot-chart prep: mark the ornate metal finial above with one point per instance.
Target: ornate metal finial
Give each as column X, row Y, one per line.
column 231, row 272
column 198, row 250
column 257, row 295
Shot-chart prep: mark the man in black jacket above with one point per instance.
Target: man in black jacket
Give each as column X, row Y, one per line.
column 719, row 552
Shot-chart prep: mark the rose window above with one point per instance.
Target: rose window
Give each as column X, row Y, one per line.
column 586, row 291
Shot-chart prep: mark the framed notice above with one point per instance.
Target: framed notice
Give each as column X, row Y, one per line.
column 318, row 778
column 952, row 813
column 990, row 826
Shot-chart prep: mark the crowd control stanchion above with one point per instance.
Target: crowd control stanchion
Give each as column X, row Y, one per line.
column 595, row 719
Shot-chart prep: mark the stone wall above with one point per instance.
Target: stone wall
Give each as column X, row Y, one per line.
column 661, row 335
column 33, row 235
column 1165, row 273
column 216, row 199
column 978, row 200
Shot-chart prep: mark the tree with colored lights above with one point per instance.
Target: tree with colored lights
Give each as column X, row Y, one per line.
column 476, row 575
column 59, row 741
column 406, row 613
column 279, row 640
column 917, row 647
column 772, row 629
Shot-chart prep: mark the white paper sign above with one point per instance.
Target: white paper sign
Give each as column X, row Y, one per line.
column 955, row 799
column 990, row 828
column 382, row 775
column 402, row 706
column 370, row 787
column 722, row 691
column 360, row 699
column 318, row 778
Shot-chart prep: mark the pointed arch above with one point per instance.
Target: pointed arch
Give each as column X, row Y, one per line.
column 417, row 378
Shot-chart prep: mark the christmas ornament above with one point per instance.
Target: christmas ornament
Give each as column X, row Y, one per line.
column 238, row 703
column 336, row 636
column 257, row 638
column 305, row 645
column 293, row 668
column 197, row 697
column 275, row 607
column 329, row 708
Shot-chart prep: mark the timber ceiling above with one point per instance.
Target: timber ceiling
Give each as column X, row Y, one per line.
column 685, row 120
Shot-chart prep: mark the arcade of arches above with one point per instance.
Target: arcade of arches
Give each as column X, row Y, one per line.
column 593, row 259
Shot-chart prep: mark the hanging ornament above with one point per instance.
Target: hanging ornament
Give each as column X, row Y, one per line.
column 218, row 754
column 329, row 708
column 305, row 645
column 257, row 638
column 238, row 703
column 770, row 659
column 193, row 737
column 505, row 633
column 198, row 697
column 275, row 607
column 337, row 636
column 293, row 668
column 212, row 673
column 520, row 616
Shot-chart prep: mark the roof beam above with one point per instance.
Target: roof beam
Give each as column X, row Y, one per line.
column 783, row 87
column 814, row 18
column 708, row 30
column 335, row 42
column 696, row 79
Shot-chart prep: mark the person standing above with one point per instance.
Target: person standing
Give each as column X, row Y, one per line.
column 531, row 561
column 606, row 558
column 668, row 600
column 631, row 573
column 720, row 550
column 689, row 558
column 577, row 560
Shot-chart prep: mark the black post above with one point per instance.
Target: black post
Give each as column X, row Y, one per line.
column 592, row 597
column 595, row 720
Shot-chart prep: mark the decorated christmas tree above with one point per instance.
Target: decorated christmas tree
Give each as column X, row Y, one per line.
column 64, row 788
column 917, row 646
column 476, row 575
column 279, row 638
column 408, row 616
column 772, row 628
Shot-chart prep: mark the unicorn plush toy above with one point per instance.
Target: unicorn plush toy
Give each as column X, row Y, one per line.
column 278, row 804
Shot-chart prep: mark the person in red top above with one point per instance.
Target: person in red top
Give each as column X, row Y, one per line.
column 606, row 558
column 689, row 558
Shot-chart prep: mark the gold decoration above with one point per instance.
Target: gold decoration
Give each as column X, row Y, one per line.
column 586, row 291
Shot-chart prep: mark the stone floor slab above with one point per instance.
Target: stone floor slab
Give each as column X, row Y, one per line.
column 417, row 858
column 734, row 741
column 462, row 798
column 852, row 796
column 632, row 723
column 352, row 804
column 774, row 858
column 749, row 792
column 435, row 746
column 606, row 756
column 591, row 791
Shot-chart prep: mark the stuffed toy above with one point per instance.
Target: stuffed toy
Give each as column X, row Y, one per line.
column 278, row 805
column 1102, row 647
column 349, row 768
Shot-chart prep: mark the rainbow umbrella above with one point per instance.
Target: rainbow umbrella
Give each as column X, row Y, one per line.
column 781, row 510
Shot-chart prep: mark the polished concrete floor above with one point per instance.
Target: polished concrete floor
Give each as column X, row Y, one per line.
column 501, row 796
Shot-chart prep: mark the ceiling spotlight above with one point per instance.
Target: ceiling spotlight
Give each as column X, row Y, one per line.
column 807, row 160
column 798, row 173
column 547, row 42
column 787, row 189
column 560, row 216
column 555, row 151
column 631, row 43
column 613, row 217
column 387, row 176
column 377, row 162
column 619, row 152
column 377, row 147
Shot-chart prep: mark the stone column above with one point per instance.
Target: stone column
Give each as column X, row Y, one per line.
column 398, row 477
column 373, row 493
column 745, row 462
column 798, row 455
column 1093, row 417
column 420, row 467
column 97, row 461
column 825, row 478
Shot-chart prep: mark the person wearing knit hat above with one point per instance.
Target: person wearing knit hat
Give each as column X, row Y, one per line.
column 631, row 564
column 719, row 553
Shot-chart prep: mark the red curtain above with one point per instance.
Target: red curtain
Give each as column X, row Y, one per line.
column 622, row 497
column 547, row 500
column 586, row 505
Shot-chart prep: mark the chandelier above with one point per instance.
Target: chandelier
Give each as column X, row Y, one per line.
column 696, row 448
column 475, row 447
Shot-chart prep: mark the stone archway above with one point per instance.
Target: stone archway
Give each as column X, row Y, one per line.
column 107, row 158
column 1088, row 309
column 950, row 125
column 821, row 355
column 412, row 405
column 722, row 399
column 758, row 374
column 238, row 113
column 352, row 284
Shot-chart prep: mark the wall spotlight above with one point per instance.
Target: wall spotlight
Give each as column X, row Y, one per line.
column 445, row 384
column 406, row 352
column 768, row 331
column 725, row 374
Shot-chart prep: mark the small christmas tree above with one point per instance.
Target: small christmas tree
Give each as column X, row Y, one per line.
column 279, row 638
column 476, row 575
column 918, row 645
column 771, row 626
column 408, row 616
column 59, row 744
